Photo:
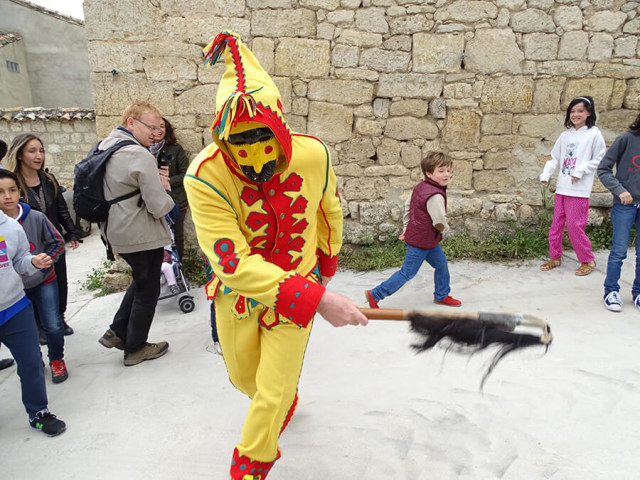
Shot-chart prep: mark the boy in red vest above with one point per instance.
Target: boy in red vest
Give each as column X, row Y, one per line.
column 425, row 221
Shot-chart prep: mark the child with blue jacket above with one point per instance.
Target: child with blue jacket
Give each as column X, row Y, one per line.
column 41, row 287
column 18, row 325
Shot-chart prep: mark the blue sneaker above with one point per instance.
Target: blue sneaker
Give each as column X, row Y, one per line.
column 613, row 303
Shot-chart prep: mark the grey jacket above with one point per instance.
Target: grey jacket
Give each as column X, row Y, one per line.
column 624, row 153
column 135, row 224
column 15, row 260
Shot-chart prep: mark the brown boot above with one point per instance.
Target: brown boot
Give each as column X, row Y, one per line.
column 150, row 351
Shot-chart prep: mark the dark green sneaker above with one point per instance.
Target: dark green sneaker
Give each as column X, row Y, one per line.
column 111, row 340
column 48, row 423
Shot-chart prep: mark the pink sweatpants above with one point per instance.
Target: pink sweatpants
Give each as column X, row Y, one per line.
column 574, row 211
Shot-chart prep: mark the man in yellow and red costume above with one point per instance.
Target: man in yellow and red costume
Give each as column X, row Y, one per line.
column 267, row 214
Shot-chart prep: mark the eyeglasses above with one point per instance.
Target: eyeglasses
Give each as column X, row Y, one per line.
column 153, row 129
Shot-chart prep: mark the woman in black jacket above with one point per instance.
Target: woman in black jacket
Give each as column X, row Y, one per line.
column 42, row 192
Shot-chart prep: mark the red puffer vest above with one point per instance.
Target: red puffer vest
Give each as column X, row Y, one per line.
column 420, row 232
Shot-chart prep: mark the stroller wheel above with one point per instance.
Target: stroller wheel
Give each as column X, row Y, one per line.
column 186, row 304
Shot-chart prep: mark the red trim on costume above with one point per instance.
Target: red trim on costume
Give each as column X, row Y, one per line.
column 298, row 299
column 292, row 409
column 204, row 160
column 242, row 465
column 328, row 264
column 227, row 257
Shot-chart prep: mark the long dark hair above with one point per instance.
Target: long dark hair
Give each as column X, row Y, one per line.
column 14, row 161
column 588, row 104
column 170, row 132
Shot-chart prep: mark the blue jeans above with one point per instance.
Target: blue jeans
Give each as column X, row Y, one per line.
column 46, row 302
column 623, row 218
column 412, row 262
column 20, row 336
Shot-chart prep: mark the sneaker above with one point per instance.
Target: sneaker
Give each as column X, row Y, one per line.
column 612, row 302
column 6, row 363
column 42, row 337
column 58, row 371
column 150, row 351
column 372, row 301
column 636, row 302
column 218, row 350
column 67, row 329
column 111, row 340
column 48, row 423
column 449, row 301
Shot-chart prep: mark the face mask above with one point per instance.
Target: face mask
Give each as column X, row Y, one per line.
column 255, row 149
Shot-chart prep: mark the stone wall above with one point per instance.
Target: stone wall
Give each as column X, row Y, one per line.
column 385, row 81
column 67, row 133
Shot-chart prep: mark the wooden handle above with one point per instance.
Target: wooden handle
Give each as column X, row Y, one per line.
column 398, row 314
column 384, row 313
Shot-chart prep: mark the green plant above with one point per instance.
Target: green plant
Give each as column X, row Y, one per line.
column 193, row 265
column 96, row 276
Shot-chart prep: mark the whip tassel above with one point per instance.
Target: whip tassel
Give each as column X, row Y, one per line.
column 471, row 331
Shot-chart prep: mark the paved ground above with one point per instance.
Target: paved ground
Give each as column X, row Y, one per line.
column 369, row 406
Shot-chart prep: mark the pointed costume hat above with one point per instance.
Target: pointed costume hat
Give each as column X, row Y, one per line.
column 246, row 92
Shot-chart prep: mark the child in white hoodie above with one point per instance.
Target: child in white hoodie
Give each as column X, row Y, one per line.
column 18, row 326
column 578, row 151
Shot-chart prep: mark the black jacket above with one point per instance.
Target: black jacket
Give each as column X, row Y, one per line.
column 56, row 207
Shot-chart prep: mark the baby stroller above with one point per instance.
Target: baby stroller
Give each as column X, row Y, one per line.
column 172, row 280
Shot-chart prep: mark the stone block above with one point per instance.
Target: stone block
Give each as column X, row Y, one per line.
column 333, row 123
column 466, row 11
column 372, row 128
column 341, row 17
column 532, row 20
column 385, row 60
column 412, row 107
column 388, row 152
column 357, row 74
column 460, row 206
column 493, row 50
column 540, row 46
column 632, row 97
column 348, row 170
column 320, row 4
column 181, row 72
column 410, row 85
column 346, row 92
column 547, row 94
column 410, row 155
column 438, row 108
column 357, row 150
column 106, row 56
column 499, row 160
column 407, row 128
column 461, row 130
column 540, row 125
column 410, row 24
column 345, row 56
column 302, row 58
column 461, row 175
column 112, row 94
column 437, row 52
column 497, row 123
column 200, row 99
column 264, row 51
column 493, row 181
column 280, row 23
column 568, row 17
column 386, row 171
column 373, row 213
column 625, row 47
column 632, row 27
column 598, row 88
column 372, row 20
column 357, row 234
column 505, row 142
column 605, row 21
column 398, row 42
column 365, row 188
column 359, row 39
column 135, row 22
column 600, row 47
column 510, row 94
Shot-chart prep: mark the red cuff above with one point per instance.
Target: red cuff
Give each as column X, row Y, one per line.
column 328, row 265
column 298, row 299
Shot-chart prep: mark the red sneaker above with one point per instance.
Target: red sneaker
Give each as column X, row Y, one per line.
column 449, row 301
column 372, row 301
column 58, row 371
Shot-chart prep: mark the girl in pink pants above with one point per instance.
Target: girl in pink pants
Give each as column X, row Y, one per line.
column 578, row 152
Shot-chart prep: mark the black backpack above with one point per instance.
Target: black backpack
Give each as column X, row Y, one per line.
column 88, row 195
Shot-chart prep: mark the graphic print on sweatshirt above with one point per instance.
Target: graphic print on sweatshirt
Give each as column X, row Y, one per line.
column 4, row 257
column 569, row 161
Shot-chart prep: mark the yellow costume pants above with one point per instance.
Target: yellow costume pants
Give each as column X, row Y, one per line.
column 265, row 364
